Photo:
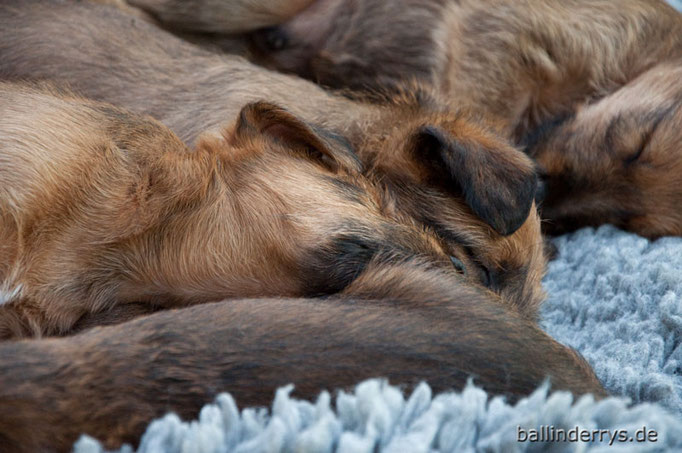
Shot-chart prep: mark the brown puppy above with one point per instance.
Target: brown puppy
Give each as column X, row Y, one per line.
column 441, row 168
column 530, row 63
column 521, row 60
column 405, row 322
column 634, row 182
column 100, row 207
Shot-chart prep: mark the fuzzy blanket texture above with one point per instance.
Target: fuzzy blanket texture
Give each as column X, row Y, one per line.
column 614, row 296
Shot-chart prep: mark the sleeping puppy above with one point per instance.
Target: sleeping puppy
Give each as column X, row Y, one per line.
column 100, row 206
column 439, row 166
column 532, row 64
column 635, row 181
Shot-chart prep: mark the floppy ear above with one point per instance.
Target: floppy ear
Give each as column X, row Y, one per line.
column 497, row 181
column 271, row 122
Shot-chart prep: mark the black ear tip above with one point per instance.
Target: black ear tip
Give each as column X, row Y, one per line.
column 509, row 214
column 509, row 224
column 524, row 200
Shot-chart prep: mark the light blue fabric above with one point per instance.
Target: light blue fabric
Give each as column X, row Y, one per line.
column 614, row 296
column 376, row 417
column 617, row 298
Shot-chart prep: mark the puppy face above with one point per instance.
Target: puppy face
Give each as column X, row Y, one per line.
column 302, row 188
column 475, row 191
column 275, row 206
column 618, row 160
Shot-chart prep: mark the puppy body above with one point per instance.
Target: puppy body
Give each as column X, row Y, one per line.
column 441, row 168
column 423, row 328
column 522, row 61
column 101, row 206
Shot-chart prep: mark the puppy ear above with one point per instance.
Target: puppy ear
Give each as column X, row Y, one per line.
column 497, row 181
column 271, row 122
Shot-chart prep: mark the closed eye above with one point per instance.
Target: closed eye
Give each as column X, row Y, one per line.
column 646, row 138
column 644, row 143
column 458, row 265
column 487, row 277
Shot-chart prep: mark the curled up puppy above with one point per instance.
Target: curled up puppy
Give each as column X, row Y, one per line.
column 441, row 167
column 100, row 206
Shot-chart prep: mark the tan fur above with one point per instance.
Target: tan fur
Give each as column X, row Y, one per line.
column 443, row 168
column 127, row 7
column 101, row 207
column 530, row 63
column 403, row 321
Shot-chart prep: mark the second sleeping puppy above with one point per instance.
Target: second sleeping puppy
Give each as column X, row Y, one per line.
column 100, row 206
column 439, row 167
column 589, row 87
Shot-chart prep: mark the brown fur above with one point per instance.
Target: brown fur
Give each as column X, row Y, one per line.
column 212, row 24
column 101, row 207
column 530, row 63
column 212, row 16
column 440, row 167
column 635, row 181
column 403, row 322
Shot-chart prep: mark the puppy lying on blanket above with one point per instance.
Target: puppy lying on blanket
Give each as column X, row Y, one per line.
column 100, row 206
column 406, row 321
column 589, row 87
column 443, row 170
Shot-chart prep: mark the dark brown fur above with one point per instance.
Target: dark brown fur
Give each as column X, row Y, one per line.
column 110, row 382
column 634, row 180
column 529, row 63
column 101, row 206
column 439, row 166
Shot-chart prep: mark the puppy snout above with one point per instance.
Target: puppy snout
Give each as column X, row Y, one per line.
column 272, row 38
column 541, row 188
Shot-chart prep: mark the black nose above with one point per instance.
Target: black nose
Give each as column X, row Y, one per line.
column 273, row 38
column 541, row 189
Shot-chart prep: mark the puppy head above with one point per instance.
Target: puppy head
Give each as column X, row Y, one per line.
column 475, row 191
column 300, row 218
column 333, row 43
column 617, row 160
